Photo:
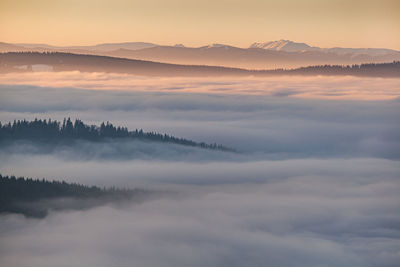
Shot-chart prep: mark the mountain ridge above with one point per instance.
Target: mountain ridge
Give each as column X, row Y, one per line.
column 269, row 55
column 278, row 45
column 58, row 61
column 290, row 46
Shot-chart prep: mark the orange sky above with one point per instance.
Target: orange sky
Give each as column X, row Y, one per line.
column 346, row 23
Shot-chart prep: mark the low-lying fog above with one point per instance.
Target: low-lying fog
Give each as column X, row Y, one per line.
column 277, row 126
column 322, row 87
column 316, row 182
column 275, row 213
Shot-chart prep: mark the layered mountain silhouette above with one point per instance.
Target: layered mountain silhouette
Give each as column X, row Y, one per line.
column 268, row 55
column 99, row 47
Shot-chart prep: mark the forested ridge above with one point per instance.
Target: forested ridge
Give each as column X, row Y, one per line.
column 390, row 69
column 59, row 61
column 35, row 197
column 53, row 131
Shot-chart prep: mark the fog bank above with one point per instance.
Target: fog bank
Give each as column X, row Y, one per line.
column 300, row 213
column 278, row 127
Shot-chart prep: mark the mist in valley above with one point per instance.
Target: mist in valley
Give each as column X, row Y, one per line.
column 314, row 182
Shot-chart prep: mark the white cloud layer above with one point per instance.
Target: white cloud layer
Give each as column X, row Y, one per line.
column 277, row 127
column 316, row 182
column 299, row 213
column 335, row 87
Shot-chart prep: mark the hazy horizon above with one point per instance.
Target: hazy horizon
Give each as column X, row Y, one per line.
column 195, row 46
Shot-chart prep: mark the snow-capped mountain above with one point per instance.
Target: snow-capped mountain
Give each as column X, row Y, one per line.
column 284, row 45
column 268, row 55
column 216, row 46
column 180, row 45
column 290, row 46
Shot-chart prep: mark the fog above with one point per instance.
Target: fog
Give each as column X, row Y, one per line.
column 320, row 87
column 315, row 181
column 119, row 150
column 300, row 213
column 277, row 127
column 156, row 172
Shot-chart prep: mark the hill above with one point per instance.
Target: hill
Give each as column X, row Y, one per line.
column 16, row 61
column 35, row 198
column 53, row 132
column 29, row 61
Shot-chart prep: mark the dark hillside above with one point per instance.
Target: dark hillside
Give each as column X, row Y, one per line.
column 54, row 132
column 23, row 61
column 34, row 198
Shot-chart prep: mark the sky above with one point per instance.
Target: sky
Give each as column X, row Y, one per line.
column 324, row 23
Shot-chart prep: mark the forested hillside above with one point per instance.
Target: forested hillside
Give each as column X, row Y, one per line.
column 52, row 132
column 57, row 61
column 34, row 197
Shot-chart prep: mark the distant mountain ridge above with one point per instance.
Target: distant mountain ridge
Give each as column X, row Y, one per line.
column 284, row 45
column 290, row 46
column 268, row 55
column 56, row 61
column 98, row 47
column 278, row 45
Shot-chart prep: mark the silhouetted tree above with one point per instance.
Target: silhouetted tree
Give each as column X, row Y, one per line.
column 50, row 132
column 21, row 195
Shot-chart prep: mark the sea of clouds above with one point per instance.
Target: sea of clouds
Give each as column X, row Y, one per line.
column 315, row 181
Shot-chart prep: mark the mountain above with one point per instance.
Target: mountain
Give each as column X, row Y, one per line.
column 99, row 47
column 56, row 61
column 258, row 58
column 212, row 55
column 115, row 46
column 269, row 55
column 284, row 45
column 6, row 47
column 290, row 46
column 362, row 51
column 179, row 45
column 224, row 46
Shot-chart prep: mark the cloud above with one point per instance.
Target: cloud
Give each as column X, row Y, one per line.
column 138, row 172
column 316, row 182
column 277, row 127
column 299, row 213
column 320, row 87
column 117, row 150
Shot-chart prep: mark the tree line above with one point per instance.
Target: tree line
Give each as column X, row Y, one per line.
column 391, row 69
column 94, row 63
column 67, row 130
column 23, row 195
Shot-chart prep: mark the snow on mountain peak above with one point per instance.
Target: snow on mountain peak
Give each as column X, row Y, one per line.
column 284, row 45
column 216, row 46
column 180, row 45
